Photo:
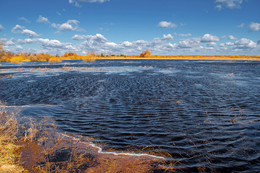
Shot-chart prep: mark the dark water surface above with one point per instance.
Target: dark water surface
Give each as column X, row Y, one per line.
column 204, row 113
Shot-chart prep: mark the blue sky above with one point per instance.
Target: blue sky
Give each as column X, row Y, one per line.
column 168, row 27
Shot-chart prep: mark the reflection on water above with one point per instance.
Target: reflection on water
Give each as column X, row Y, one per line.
column 205, row 114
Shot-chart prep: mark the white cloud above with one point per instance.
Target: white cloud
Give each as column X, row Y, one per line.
column 167, row 37
column 211, row 44
column 163, row 45
column 165, row 24
column 10, row 42
column 209, row 38
column 244, row 43
column 29, row 33
column 51, row 43
column 17, row 29
column 24, row 19
column 24, row 31
column 231, row 4
column 100, row 44
column 26, row 41
column 79, row 37
column 1, row 27
column 126, row 44
column 42, row 19
column 254, row 27
column 66, row 27
column 185, row 35
column 189, row 43
column 226, row 45
column 97, row 37
column 52, row 46
column 76, row 2
column 70, row 25
column 46, row 45
column 231, row 37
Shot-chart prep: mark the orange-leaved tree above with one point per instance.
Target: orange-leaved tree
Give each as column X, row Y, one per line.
column 146, row 53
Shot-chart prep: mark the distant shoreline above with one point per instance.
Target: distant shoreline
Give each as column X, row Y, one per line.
column 207, row 58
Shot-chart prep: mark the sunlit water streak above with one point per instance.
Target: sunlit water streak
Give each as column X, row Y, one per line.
column 204, row 114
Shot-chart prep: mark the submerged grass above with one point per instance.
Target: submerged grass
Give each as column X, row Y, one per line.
column 28, row 147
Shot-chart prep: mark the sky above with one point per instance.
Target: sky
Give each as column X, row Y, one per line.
column 165, row 27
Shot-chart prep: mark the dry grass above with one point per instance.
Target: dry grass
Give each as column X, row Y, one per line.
column 31, row 148
column 9, row 150
column 183, row 57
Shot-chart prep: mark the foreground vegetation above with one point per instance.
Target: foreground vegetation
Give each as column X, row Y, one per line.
column 28, row 147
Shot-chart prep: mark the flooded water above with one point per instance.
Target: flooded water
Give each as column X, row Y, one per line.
column 205, row 114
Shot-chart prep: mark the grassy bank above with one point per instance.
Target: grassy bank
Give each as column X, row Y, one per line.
column 91, row 57
column 29, row 147
column 183, row 57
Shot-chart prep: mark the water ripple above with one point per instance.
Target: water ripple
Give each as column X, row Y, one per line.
column 204, row 114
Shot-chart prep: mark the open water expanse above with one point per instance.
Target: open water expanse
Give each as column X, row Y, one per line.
column 203, row 113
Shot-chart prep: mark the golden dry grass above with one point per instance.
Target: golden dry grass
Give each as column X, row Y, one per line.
column 9, row 150
column 182, row 57
column 31, row 148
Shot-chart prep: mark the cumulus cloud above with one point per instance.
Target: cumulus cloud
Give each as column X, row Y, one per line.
column 211, row 44
column 77, row 2
column 70, row 25
column 1, row 27
column 79, row 37
column 189, row 43
column 47, row 45
column 24, row 31
column 245, row 43
column 10, row 42
column 29, row 33
column 26, row 41
column 42, row 19
column 226, row 44
column 254, row 27
column 165, row 24
column 51, row 43
column 97, row 37
column 209, row 38
column 100, row 44
column 231, row 4
column 17, row 29
column 162, row 45
column 126, row 44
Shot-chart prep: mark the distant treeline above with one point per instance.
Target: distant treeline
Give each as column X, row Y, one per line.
column 90, row 57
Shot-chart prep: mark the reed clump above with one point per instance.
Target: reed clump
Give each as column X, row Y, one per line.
column 9, row 149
